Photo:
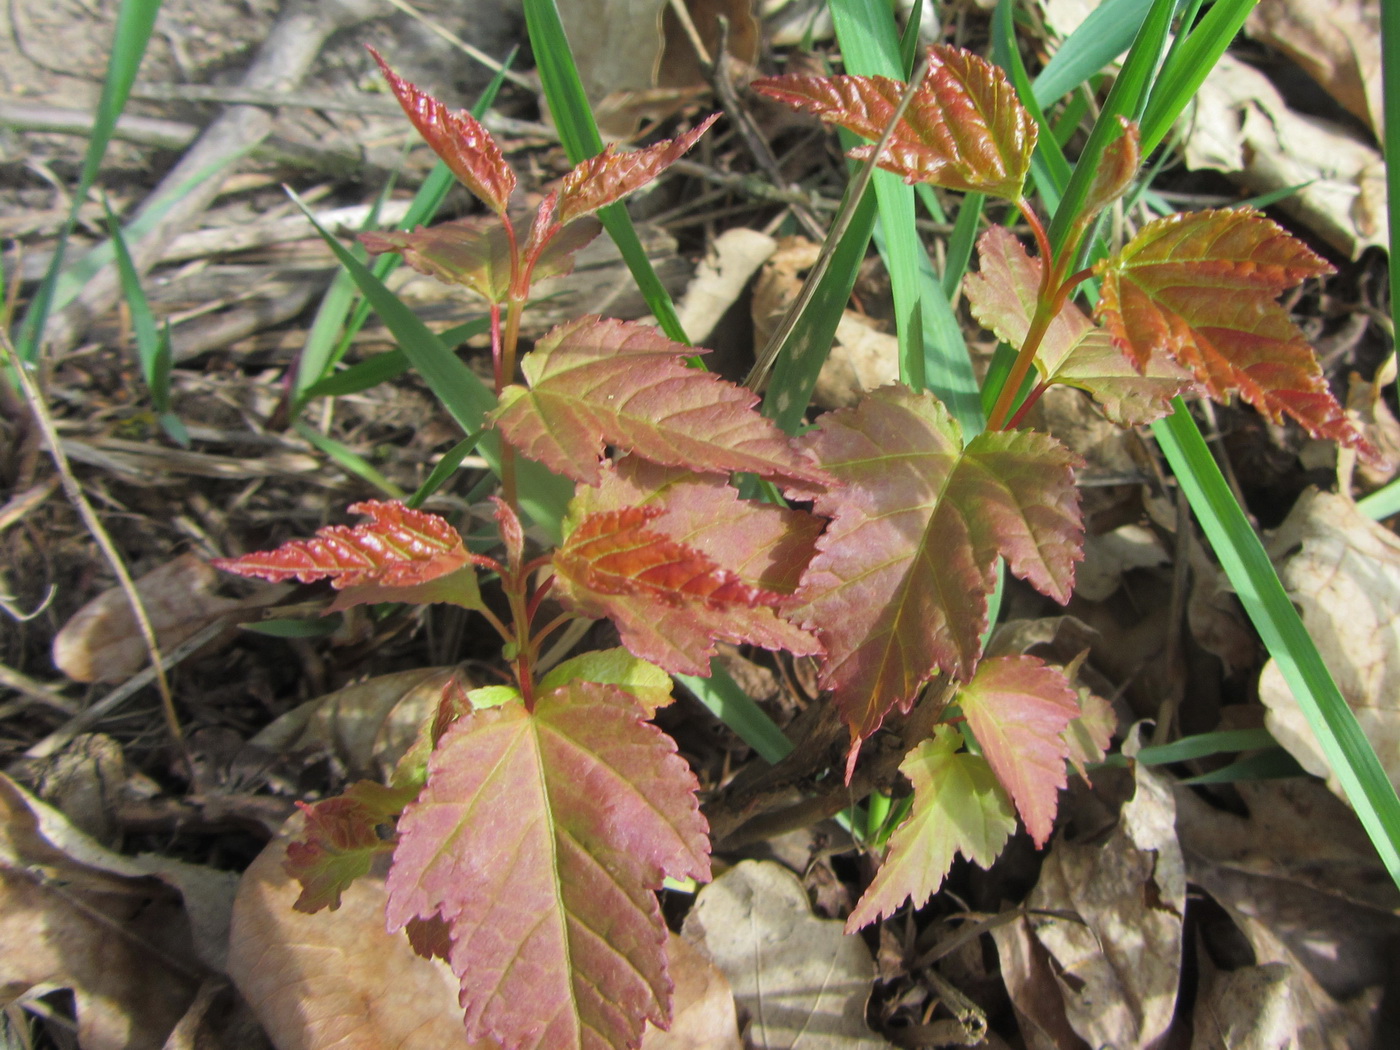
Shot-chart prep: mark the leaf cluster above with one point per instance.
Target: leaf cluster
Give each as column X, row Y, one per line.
column 532, row 824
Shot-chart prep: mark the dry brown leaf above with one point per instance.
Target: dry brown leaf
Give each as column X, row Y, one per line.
column 1274, row 1003
column 74, row 915
column 1109, row 555
column 1035, row 995
column 631, row 47
column 1367, row 407
column 1241, row 125
column 101, row 642
column 728, row 266
column 367, row 726
column 1215, row 616
column 1118, row 970
column 1300, row 863
column 1345, row 578
column 1338, row 43
column 702, row 1013
column 862, row 357
column 335, row 980
column 802, row 981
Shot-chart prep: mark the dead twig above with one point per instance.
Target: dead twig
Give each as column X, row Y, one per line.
column 283, row 60
column 39, row 407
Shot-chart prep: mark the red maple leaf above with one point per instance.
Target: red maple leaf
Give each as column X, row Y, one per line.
column 1202, row 288
column 964, row 129
column 401, row 554
column 540, row 839
column 1018, row 707
column 898, row 588
column 458, row 138
column 1074, row 351
column 669, row 601
column 599, row 382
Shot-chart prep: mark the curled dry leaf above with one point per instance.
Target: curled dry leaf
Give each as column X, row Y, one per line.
column 1242, row 126
column 341, row 982
column 74, row 915
column 802, row 981
column 101, row 641
column 1118, row 966
column 1344, row 573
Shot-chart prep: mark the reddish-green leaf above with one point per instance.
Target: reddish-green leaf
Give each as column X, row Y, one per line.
column 597, row 382
column 1203, row 288
column 476, row 252
column 669, row 602
column 540, row 839
column 340, row 841
column 959, row 807
column 965, row 129
column 1089, row 735
column 1018, row 707
column 400, row 555
column 1074, row 350
column 1119, row 166
column 762, row 544
column 465, row 146
column 609, row 176
column 898, row 588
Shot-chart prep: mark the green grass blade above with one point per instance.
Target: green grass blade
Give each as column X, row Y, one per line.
column 543, row 496
column 136, row 20
column 1273, row 764
column 1252, row 575
column 1382, row 503
column 870, row 46
column 805, row 350
column 1189, row 64
column 350, row 461
column 961, row 242
column 728, row 702
column 1390, row 88
column 153, row 352
column 364, row 375
column 1103, row 36
column 391, row 364
column 579, row 134
column 1126, row 98
column 446, row 467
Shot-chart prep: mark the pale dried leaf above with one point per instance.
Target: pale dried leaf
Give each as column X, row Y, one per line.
column 802, row 981
column 73, row 915
column 1345, row 578
column 1338, row 43
column 1242, row 126
column 702, row 1012
column 729, row 264
column 1276, row 1003
column 101, row 641
column 1119, row 969
column 1298, row 861
column 367, row 726
column 335, row 981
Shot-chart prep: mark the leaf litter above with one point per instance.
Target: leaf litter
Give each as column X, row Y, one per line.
column 1231, row 839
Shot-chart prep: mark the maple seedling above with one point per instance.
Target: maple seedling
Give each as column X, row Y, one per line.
column 531, row 824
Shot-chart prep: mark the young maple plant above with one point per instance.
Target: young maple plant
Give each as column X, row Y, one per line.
column 532, row 824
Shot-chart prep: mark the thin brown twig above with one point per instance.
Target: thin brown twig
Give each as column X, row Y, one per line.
column 34, row 398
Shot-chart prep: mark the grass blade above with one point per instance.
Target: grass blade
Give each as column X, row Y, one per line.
column 579, row 134
column 152, row 343
column 136, row 20
column 350, row 461
column 1103, row 36
column 1252, row 575
column 1188, row 65
column 1390, row 139
column 729, row 703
